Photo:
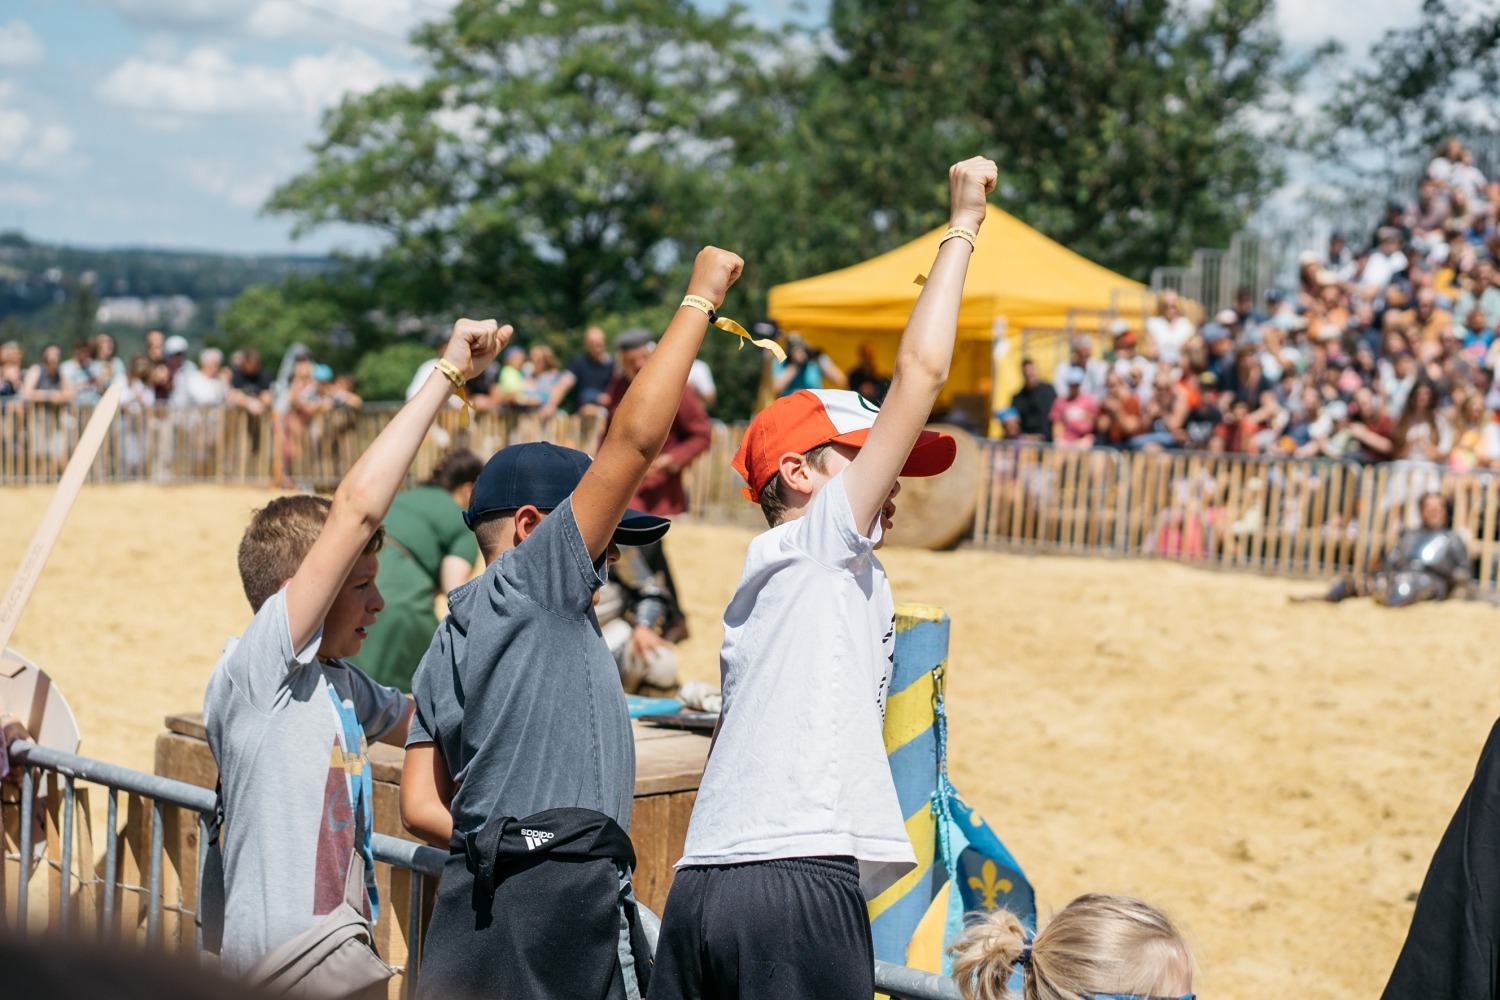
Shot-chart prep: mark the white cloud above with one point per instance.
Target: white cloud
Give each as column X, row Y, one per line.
column 1358, row 24
column 20, row 47
column 207, row 81
column 228, row 180
column 20, row 193
column 181, row 13
column 384, row 22
column 27, row 143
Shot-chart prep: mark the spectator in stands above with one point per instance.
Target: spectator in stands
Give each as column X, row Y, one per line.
column 866, row 379
column 1422, row 433
column 1168, row 332
column 1164, row 416
column 1481, row 293
column 1476, row 436
column 1139, row 373
column 1385, row 263
column 805, row 368
column 1081, row 358
column 45, row 383
column 546, row 372
column 1119, row 417
column 176, row 350
column 250, row 384
column 1445, row 160
column 202, row 384
column 12, row 371
column 107, row 367
column 1426, row 319
column 1033, row 404
column 510, row 390
column 77, row 371
column 1430, row 221
column 1074, row 414
column 585, row 380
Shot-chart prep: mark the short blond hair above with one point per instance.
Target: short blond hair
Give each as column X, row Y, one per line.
column 1095, row 944
column 279, row 537
column 773, row 498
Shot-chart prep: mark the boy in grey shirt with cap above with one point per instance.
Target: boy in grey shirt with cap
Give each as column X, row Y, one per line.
column 520, row 758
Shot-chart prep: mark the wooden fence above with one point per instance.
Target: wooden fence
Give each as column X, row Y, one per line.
column 166, row 444
column 1273, row 515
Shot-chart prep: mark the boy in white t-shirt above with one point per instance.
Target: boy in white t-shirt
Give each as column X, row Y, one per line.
column 796, row 822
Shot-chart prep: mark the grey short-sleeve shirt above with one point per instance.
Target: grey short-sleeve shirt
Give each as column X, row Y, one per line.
column 290, row 734
column 519, row 691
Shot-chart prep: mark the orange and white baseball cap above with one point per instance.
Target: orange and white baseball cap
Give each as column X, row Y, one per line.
column 808, row 418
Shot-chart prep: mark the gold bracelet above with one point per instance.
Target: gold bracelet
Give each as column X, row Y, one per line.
column 699, row 302
column 455, row 376
column 961, row 233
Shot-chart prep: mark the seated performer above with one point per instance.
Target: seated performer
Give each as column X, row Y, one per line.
column 1429, row 563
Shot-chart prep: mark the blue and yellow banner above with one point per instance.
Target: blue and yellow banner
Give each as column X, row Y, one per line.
column 915, row 920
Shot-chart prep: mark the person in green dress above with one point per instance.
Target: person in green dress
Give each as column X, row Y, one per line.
column 428, row 551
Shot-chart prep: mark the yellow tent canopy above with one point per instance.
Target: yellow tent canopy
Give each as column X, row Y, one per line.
column 1018, row 278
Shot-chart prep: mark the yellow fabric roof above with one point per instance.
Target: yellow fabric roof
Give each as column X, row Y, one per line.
column 1017, row 276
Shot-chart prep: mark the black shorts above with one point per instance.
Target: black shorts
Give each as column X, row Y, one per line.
column 788, row 929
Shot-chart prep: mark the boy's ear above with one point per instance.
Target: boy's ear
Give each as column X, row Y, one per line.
column 526, row 520
column 793, row 466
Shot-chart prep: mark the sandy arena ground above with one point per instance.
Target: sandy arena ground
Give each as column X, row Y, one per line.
column 1276, row 776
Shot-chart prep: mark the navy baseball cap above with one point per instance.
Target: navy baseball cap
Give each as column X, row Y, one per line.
column 542, row 475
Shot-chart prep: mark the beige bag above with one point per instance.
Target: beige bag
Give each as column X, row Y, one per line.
column 336, row 960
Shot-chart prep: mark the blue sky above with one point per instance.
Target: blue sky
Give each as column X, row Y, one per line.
column 167, row 122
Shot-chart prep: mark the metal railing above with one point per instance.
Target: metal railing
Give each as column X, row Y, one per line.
column 67, row 770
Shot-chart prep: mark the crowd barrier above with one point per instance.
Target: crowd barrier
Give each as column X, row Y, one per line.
column 148, row 895
column 1267, row 514
column 1275, row 515
column 188, row 444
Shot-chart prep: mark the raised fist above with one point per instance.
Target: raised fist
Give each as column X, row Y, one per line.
column 713, row 272
column 475, row 343
column 969, row 183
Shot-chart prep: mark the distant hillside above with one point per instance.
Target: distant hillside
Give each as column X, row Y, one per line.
column 50, row 292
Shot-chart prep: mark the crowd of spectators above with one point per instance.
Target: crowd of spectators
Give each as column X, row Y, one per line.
column 1383, row 351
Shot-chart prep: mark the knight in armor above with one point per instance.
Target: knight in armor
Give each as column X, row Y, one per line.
column 1428, row 563
column 640, row 619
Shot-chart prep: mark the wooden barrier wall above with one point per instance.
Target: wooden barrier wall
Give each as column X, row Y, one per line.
column 1272, row 515
column 166, row 444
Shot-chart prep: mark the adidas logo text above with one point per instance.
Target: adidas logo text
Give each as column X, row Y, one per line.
column 535, row 838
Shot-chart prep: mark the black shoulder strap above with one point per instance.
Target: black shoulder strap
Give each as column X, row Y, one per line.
column 211, row 881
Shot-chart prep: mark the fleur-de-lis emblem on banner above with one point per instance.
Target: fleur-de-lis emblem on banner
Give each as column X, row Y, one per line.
column 989, row 885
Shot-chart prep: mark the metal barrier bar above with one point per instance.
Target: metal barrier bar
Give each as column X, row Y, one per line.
column 421, row 860
column 901, row 982
column 67, row 852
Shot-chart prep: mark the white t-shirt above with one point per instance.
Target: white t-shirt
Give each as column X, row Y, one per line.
column 1169, row 338
column 701, row 379
column 799, row 768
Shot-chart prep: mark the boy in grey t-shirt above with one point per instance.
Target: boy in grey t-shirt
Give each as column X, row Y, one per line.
column 287, row 716
column 520, row 759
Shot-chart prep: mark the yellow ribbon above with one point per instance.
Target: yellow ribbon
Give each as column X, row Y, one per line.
column 730, row 326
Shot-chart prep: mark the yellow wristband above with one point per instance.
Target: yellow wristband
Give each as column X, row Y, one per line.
column 961, row 233
column 699, row 302
column 455, row 376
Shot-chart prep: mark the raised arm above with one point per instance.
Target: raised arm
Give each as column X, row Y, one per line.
column 365, row 494
column 925, row 353
column 639, row 427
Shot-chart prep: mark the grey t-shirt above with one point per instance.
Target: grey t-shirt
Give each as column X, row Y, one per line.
column 519, row 691
column 289, row 734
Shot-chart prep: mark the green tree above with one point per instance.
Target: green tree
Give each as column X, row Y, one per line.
column 1418, row 84
column 562, row 158
column 1130, row 130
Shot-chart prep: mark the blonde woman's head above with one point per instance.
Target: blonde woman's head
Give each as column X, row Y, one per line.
column 1097, row 944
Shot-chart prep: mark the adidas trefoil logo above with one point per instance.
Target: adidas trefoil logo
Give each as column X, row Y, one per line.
column 535, row 838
